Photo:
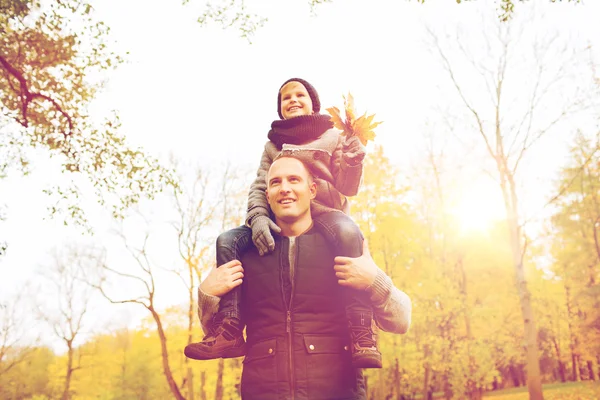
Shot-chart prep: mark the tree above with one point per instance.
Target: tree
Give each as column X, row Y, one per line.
column 197, row 214
column 29, row 378
column 235, row 13
column 13, row 327
column 576, row 251
column 51, row 55
column 509, row 124
column 393, row 231
column 194, row 215
column 65, row 278
column 143, row 275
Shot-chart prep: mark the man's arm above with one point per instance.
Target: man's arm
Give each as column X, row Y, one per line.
column 208, row 306
column 217, row 283
column 392, row 307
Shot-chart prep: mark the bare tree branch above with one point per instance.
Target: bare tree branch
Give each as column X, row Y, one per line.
column 27, row 96
column 450, row 71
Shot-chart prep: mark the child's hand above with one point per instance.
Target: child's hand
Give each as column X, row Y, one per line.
column 353, row 151
column 261, row 234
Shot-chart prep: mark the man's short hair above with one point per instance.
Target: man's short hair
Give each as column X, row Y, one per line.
column 311, row 176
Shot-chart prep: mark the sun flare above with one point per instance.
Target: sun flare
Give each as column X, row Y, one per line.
column 477, row 209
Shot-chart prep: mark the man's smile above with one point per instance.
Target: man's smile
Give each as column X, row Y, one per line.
column 286, row 200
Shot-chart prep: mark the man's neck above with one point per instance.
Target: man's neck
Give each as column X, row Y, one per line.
column 295, row 228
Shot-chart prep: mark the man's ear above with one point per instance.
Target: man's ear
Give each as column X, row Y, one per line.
column 267, row 194
column 313, row 190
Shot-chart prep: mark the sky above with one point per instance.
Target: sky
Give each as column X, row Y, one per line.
column 205, row 96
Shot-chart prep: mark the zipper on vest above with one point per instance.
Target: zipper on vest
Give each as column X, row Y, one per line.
column 290, row 351
column 294, row 257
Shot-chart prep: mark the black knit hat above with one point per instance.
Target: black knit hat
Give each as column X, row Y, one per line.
column 312, row 92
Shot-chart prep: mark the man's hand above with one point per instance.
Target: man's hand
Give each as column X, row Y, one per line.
column 358, row 273
column 261, row 234
column 353, row 151
column 220, row 281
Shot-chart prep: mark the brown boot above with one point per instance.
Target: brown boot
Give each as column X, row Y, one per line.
column 364, row 342
column 226, row 342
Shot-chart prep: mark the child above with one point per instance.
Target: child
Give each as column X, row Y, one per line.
column 337, row 167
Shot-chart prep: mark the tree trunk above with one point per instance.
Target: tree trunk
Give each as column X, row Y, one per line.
column 427, row 371
column 190, row 374
column 165, row 356
column 219, row 385
column 202, row 385
column 380, row 391
column 562, row 371
column 561, row 364
column 66, row 395
column 396, row 387
column 514, row 374
column 572, row 345
column 534, row 381
column 522, row 375
column 591, row 374
column 472, row 389
column 575, row 368
column 447, row 388
column 582, row 369
column 190, row 384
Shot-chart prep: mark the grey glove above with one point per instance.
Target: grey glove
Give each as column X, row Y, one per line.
column 353, row 151
column 261, row 234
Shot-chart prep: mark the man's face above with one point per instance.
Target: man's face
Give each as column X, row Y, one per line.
column 289, row 190
column 295, row 100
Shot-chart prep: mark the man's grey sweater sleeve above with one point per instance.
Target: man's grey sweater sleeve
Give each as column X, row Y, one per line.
column 392, row 307
column 208, row 306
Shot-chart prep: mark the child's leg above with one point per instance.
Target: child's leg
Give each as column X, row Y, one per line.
column 230, row 246
column 228, row 339
column 347, row 239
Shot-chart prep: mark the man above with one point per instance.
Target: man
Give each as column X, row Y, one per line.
column 297, row 334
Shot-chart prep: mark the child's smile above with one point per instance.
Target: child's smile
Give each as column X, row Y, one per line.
column 295, row 100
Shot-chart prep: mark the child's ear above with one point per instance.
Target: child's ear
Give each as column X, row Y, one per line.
column 313, row 190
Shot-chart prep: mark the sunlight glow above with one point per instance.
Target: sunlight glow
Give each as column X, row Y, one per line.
column 478, row 208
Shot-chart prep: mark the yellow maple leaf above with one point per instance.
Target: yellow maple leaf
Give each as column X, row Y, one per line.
column 363, row 128
column 349, row 108
column 336, row 117
column 350, row 126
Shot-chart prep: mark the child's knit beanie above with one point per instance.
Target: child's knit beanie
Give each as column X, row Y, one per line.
column 312, row 92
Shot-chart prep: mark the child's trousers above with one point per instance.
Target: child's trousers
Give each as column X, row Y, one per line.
column 340, row 231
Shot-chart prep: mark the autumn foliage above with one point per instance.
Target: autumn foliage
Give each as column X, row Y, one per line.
column 362, row 127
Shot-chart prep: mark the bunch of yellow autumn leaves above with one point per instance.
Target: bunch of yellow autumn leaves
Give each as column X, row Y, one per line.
column 362, row 127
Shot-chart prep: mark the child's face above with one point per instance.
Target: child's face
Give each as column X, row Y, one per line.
column 295, row 100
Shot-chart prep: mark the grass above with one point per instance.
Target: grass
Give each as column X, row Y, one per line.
column 553, row 391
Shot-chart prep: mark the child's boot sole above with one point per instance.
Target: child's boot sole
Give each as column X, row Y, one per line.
column 370, row 360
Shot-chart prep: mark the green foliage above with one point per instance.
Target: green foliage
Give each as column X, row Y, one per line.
column 234, row 13
column 52, row 55
column 576, row 250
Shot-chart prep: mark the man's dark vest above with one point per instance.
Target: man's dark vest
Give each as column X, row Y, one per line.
column 298, row 340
